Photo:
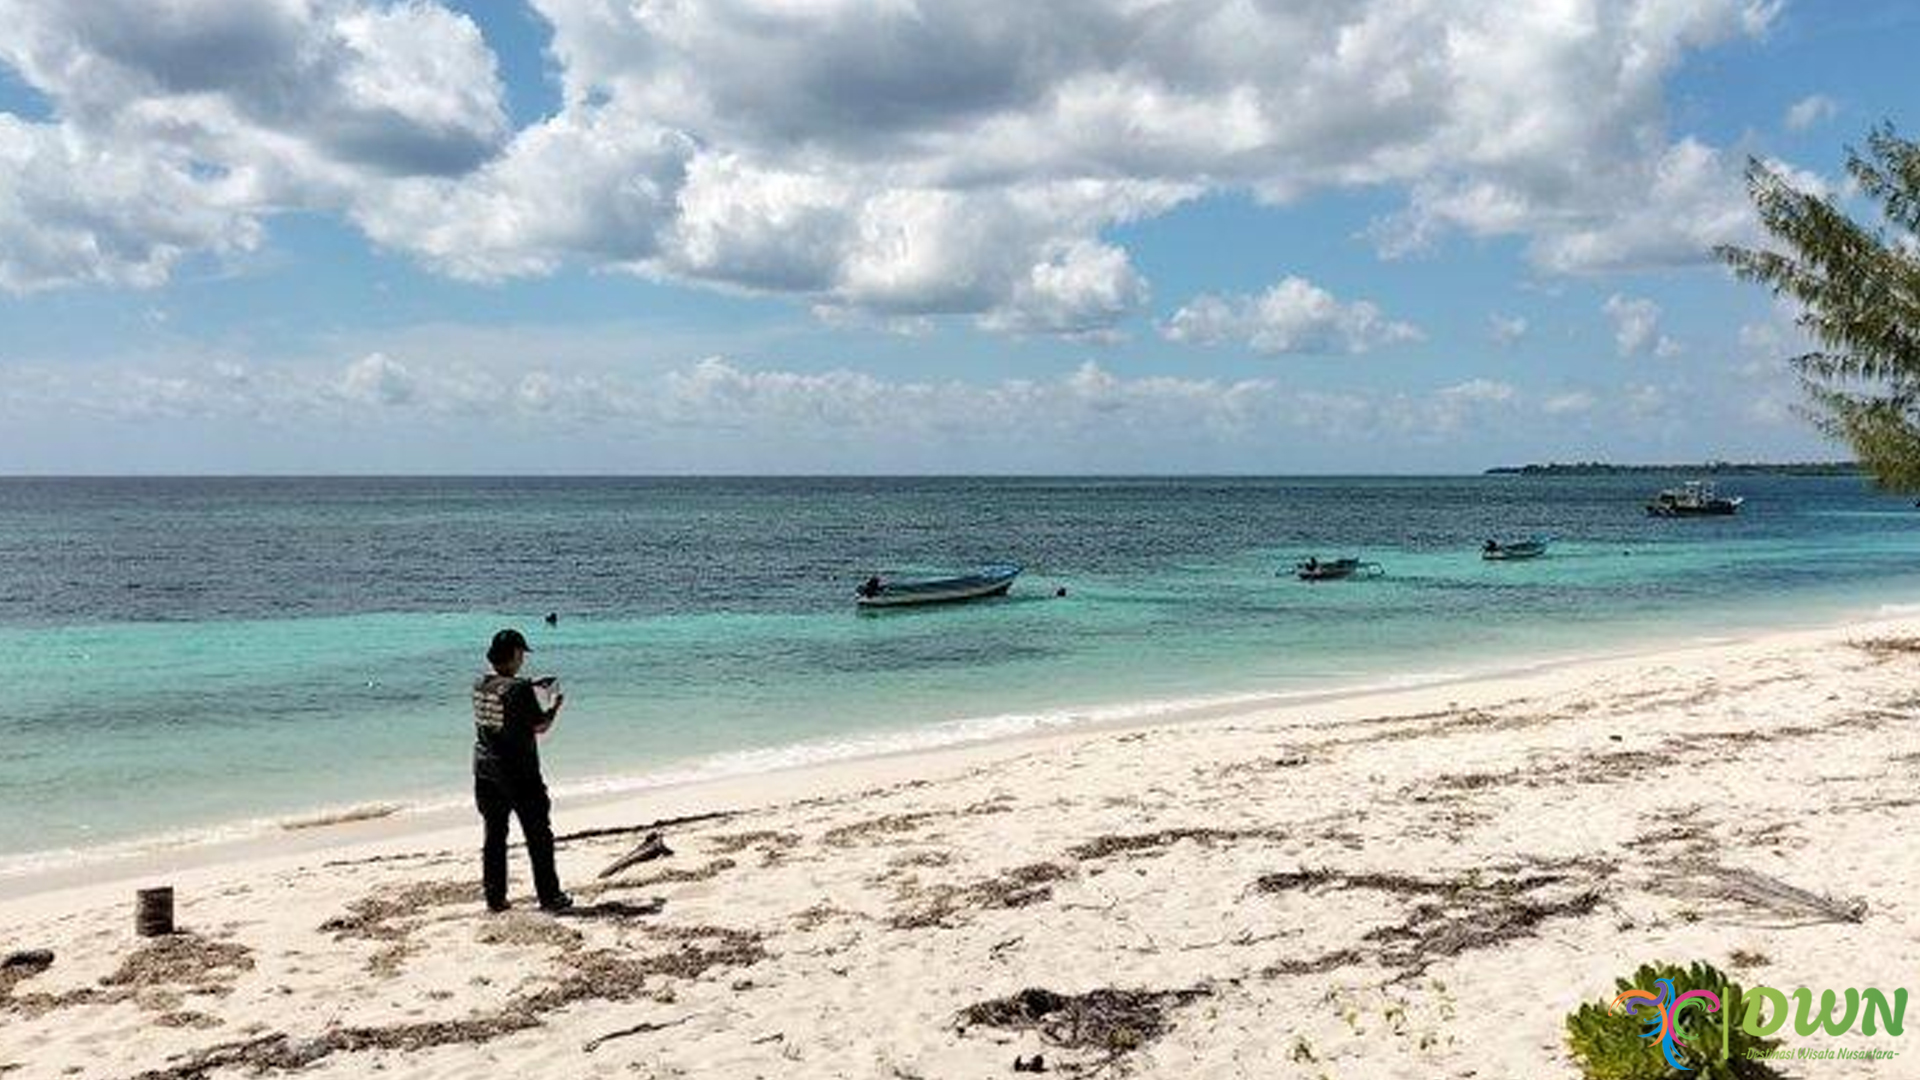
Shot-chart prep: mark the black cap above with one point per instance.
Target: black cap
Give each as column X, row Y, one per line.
column 504, row 643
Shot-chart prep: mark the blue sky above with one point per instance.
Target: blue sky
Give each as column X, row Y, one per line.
column 589, row 236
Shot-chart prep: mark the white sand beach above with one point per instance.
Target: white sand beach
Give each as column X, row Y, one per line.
column 1413, row 884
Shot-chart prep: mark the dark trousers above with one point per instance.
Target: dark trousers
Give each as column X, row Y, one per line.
column 527, row 801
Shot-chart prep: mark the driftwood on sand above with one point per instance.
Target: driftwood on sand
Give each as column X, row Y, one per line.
column 646, row 851
column 638, row 1029
column 645, row 827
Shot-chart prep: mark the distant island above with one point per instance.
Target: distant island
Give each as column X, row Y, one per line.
column 1708, row 468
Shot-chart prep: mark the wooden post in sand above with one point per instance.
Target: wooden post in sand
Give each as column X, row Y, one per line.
column 153, row 911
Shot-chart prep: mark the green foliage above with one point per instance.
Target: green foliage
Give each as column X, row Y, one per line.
column 1858, row 289
column 1609, row 1045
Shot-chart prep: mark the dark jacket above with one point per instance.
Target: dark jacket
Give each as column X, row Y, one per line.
column 505, row 715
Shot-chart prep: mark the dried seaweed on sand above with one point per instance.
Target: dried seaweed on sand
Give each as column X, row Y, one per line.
column 1889, row 646
column 376, row 916
column 1451, row 915
column 1018, row 887
column 1791, row 904
column 1108, row 1021
column 182, row 960
column 590, row 975
column 1152, row 843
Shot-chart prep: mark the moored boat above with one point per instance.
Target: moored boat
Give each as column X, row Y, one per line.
column 877, row 592
column 1530, row 548
column 1314, row 568
column 1696, row 498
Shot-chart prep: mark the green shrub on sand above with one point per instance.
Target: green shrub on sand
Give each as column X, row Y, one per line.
column 1609, row 1044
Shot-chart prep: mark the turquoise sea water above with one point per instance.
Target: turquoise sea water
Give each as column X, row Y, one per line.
column 194, row 653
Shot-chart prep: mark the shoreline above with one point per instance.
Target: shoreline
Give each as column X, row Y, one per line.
column 243, row 772
column 402, row 818
column 1327, row 883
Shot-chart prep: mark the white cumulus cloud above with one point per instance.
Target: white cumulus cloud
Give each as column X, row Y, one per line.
column 1810, row 111
column 1568, row 403
column 377, row 379
column 1505, row 330
column 179, row 125
column 1636, row 327
column 530, row 403
column 75, row 211
column 1294, row 316
column 879, row 157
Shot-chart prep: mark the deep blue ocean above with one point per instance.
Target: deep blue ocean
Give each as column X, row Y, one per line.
column 193, row 653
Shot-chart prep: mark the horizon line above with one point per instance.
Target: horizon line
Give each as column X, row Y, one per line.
column 1506, row 469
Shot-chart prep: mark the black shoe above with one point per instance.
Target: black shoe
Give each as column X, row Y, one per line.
column 557, row 904
column 499, row 907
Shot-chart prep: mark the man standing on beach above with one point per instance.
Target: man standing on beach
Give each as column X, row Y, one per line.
column 507, row 719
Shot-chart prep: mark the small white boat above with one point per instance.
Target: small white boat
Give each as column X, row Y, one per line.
column 987, row 581
column 1318, row 569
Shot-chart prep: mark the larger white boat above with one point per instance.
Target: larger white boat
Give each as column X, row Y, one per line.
column 1694, row 499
